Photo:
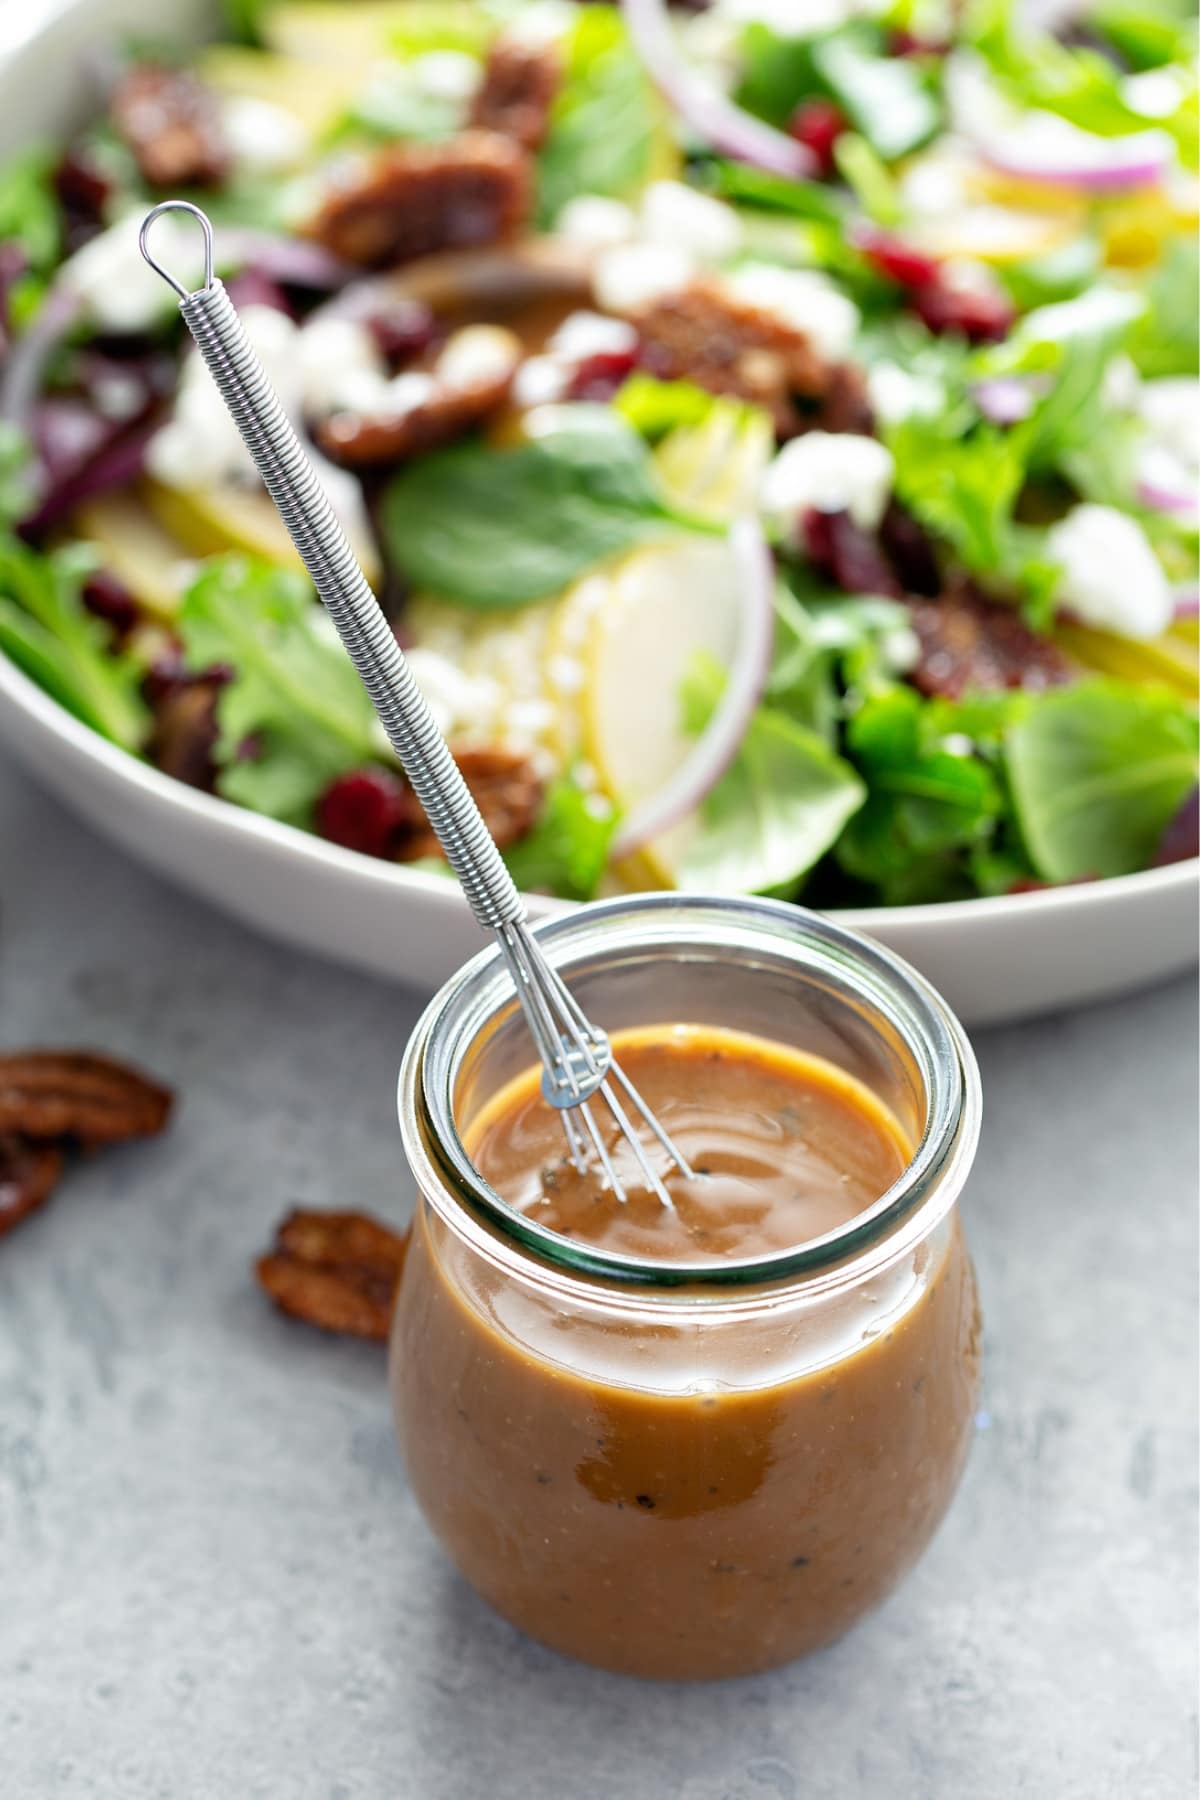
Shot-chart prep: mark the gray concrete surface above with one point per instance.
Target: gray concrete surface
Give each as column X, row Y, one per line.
column 215, row 1586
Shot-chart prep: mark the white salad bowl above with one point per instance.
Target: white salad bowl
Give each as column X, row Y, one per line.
column 993, row 959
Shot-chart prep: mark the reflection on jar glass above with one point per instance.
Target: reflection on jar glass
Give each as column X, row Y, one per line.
column 673, row 1470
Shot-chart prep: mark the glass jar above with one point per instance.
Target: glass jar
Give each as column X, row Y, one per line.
column 689, row 1472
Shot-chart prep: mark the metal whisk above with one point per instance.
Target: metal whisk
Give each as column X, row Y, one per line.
column 577, row 1060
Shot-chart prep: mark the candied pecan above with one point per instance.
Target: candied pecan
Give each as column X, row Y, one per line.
column 28, row 1173
column 336, row 1270
column 412, row 199
column 843, row 405
column 519, row 84
column 448, row 413
column 969, row 642
column 507, row 790
column 77, row 1094
column 172, row 123
column 729, row 346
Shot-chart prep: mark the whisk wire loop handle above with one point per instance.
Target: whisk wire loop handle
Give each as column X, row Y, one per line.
column 293, row 484
column 576, row 1057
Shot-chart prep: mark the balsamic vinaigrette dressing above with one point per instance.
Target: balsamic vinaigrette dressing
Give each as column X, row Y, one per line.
column 785, row 1146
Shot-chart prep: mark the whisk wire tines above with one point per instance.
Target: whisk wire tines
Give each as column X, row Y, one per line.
column 577, row 1061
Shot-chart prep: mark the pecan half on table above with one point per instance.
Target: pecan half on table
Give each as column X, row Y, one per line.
column 517, row 92
column 172, row 123
column 51, row 1099
column 336, row 1270
column 28, row 1175
column 410, row 200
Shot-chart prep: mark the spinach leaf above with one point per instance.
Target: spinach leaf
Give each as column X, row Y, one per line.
column 1098, row 771
column 776, row 810
column 604, row 126
column 886, row 97
column 497, row 528
column 295, row 698
column 567, row 850
column 926, row 808
column 47, row 631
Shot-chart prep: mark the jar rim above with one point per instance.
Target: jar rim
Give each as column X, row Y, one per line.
column 811, row 942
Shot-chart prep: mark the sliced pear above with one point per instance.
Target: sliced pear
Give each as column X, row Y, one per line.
column 151, row 562
column 210, row 521
column 1169, row 661
column 714, row 469
column 334, row 33
column 213, row 521
column 998, row 234
column 315, row 92
column 665, row 604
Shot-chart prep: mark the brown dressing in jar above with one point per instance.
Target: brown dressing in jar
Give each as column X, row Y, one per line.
column 661, row 1491
column 785, row 1146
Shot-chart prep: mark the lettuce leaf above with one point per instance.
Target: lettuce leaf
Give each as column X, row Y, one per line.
column 777, row 809
column 1098, row 771
column 49, row 633
column 29, row 210
column 295, row 698
column 567, row 850
column 605, row 124
column 927, row 807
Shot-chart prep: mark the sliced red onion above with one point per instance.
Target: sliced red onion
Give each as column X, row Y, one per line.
column 22, row 380
column 1187, row 603
column 712, row 116
column 1180, row 502
column 291, row 260
column 114, row 465
column 1005, row 399
column 1141, row 159
column 718, row 744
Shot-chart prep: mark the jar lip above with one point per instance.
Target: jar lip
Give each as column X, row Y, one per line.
column 897, row 994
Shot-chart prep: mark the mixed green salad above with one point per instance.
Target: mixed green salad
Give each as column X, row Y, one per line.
column 773, row 431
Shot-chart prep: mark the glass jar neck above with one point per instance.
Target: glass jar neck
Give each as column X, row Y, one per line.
column 863, row 1000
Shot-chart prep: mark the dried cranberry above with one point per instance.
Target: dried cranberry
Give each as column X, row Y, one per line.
column 846, row 553
column 1181, row 839
column 910, row 551
column 818, row 124
column 598, row 377
column 106, row 596
column 403, row 330
column 250, row 287
column 899, row 261
column 364, row 810
column 981, row 316
column 81, row 184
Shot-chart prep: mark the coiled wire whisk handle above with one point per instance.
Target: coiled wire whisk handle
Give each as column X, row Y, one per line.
column 294, row 486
